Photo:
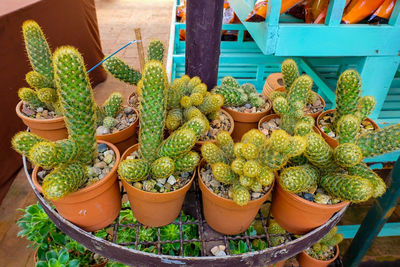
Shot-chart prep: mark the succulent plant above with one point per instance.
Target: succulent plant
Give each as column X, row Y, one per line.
column 160, row 158
column 325, row 244
column 299, row 179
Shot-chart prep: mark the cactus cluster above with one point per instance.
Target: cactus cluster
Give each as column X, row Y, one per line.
column 107, row 113
column 127, row 74
column 250, row 164
column 325, row 245
column 67, row 158
column 188, row 98
column 42, row 91
column 160, row 158
column 236, row 95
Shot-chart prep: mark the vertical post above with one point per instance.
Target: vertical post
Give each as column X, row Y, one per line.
column 203, row 39
column 138, row 36
column 376, row 218
column 335, row 12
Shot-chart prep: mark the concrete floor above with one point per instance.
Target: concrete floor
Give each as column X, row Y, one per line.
column 117, row 21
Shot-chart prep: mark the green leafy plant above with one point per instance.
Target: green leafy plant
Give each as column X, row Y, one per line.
column 58, row 259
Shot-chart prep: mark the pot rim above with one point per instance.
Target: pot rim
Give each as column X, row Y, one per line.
column 328, row 111
column 309, row 203
column 321, row 261
column 18, row 110
column 124, row 130
column 230, row 129
column 126, row 183
column 91, row 187
column 225, row 200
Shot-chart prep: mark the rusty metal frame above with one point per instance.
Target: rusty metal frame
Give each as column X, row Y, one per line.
column 122, row 254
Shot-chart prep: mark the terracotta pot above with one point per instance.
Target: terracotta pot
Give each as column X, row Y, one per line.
column 331, row 141
column 245, row 121
column 200, row 143
column 154, row 209
column 94, row 207
column 274, row 116
column 128, row 103
column 123, row 139
column 274, row 81
column 35, row 259
column 278, row 264
column 297, row 215
column 224, row 215
column 306, row 260
column 51, row 129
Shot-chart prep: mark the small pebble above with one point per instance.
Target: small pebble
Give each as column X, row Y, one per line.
column 308, row 196
column 101, row 147
column 138, row 185
column 161, row 181
column 102, row 130
column 101, row 176
column 171, row 180
column 108, row 159
column 128, row 110
column 255, row 195
column 220, row 253
column 42, row 174
column 215, row 250
column 100, row 165
column 109, row 152
column 247, row 105
column 40, row 109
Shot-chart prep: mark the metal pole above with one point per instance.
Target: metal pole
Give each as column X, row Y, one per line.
column 203, row 39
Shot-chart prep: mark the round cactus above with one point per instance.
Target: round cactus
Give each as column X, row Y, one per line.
column 212, row 153
column 240, row 195
column 133, row 170
column 162, row 168
column 347, row 155
column 223, row 173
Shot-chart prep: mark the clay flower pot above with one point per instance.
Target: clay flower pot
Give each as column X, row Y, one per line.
column 200, row 143
column 51, row 129
column 306, row 260
column 154, row 209
column 245, row 121
column 94, row 207
column 122, row 139
column 331, row 141
column 274, row 116
column 224, row 215
column 297, row 215
column 273, row 81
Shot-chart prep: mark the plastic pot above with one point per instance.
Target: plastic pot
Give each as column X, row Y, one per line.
column 245, row 121
column 224, row 215
column 94, row 207
column 297, row 215
column 154, row 209
column 306, row 260
column 331, row 141
column 123, row 139
column 51, row 129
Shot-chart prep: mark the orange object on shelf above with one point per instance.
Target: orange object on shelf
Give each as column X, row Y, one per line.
column 320, row 19
column 384, row 11
column 357, row 10
column 318, row 6
column 260, row 9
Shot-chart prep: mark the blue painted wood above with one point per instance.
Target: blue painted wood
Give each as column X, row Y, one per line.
column 389, row 229
column 272, row 24
column 335, row 11
column 395, row 17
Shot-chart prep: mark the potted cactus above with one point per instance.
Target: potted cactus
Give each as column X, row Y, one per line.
column 157, row 173
column 315, row 104
column 236, row 179
column 348, row 103
column 68, row 171
column 322, row 253
column 115, row 123
column 39, row 107
column 244, row 104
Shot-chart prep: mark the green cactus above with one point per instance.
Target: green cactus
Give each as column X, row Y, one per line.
column 174, row 119
column 134, row 170
column 199, row 125
column 348, row 128
column 251, row 169
column 23, row 142
column 237, row 165
column 38, row 81
column 240, row 195
column 249, row 88
column 122, row 71
column 30, row 96
column 225, row 142
column 187, row 162
column 113, row 105
column 275, row 94
column 223, row 173
column 213, row 154
column 276, row 233
column 230, row 81
column 152, row 109
column 245, row 181
column 211, row 103
column 329, row 241
column 299, row 179
column 255, row 100
column 192, row 112
column 255, row 137
column 162, row 167
column 109, row 122
column 266, row 176
column 38, row 50
column 347, row 155
column 48, row 96
column 177, row 144
column 290, row 72
column 302, row 129
column 76, row 97
column 51, row 154
column 233, row 96
column 318, row 152
column 362, row 170
column 155, row 51
column 380, row 141
column 347, row 187
column 311, row 97
column 347, row 94
column 365, row 106
column 63, row 180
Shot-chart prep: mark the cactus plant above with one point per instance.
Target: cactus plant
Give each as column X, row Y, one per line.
column 155, row 51
column 299, row 178
column 326, row 244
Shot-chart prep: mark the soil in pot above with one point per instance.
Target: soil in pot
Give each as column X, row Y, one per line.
column 156, row 202
column 220, row 211
column 247, row 117
column 97, row 203
column 325, row 119
column 123, row 134
column 42, row 122
column 300, row 214
column 305, row 260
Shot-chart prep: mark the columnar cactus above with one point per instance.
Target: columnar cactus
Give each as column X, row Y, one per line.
column 155, row 51
column 160, row 158
column 299, row 179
